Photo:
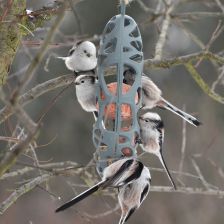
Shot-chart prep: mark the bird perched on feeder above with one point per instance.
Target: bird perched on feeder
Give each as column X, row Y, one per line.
column 132, row 195
column 81, row 57
column 86, row 95
column 118, row 174
column 152, row 97
column 86, row 92
column 152, row 136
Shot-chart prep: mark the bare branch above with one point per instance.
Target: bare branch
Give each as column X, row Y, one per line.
column 11, row 155
column 167, row 63
column 102, row 214
column 221, row 6
column 197, row 15
column 164, row 30
column 196, row 167
column 198, row 79
column 217, row 81
column 37, row 91
column 39, row 56
column 183, row 146
column 187, row 190
column 22, row 190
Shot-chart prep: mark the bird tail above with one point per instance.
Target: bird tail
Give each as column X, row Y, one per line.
column 192, row 120
column 166, row 169
column 124, row 218
column 63, row 58
column 80, row 197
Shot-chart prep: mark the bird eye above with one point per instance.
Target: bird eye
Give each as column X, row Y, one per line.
column 82, row 81
column 146, row 120
column 85, row 51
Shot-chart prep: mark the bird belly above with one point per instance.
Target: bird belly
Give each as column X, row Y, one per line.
column 152, row 146
column 87, row 101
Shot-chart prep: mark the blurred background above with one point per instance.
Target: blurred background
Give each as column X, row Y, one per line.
column 66, row 131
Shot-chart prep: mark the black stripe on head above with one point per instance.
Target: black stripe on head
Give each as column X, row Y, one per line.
column 144, row 193
column 71, row 51
column 136, row 174
column 159, row 123
column 93, row 78
column 130, row 213
column 78, row 43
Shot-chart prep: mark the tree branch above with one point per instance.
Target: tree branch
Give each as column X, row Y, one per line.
column 198, row 79
column 36, row 92
column 167, row 63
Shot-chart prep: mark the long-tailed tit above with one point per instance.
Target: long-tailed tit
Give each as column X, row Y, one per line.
column 133, row 194
column 116, row 175
column 86, row 93
column 81, row 57
column 152, row 97
column 152, row 136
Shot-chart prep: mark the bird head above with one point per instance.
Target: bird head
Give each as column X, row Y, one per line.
column 85, row 80
column 150, row 120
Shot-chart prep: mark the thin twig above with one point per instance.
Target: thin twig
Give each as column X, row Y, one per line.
column 167, row 63
column 36, row 92
column 197, row 169
column 202, row 84
column 38, row 57
column 76, row 17
column 187, row 190
column 162, row 37
column 22, row 190
column 221, row 6
column 183, row 145
column 217, row 81
column 102, row 214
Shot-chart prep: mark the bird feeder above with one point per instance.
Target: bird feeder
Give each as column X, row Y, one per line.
column 117, row 128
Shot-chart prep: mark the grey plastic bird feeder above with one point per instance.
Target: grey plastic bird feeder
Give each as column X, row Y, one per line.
column 116, row 129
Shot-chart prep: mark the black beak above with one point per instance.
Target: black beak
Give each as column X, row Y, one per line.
column 88, row 55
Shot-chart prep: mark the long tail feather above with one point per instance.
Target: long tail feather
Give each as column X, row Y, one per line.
column 160, row 156
column 127, row 216
column 63, row 58
column 80, row 197
column 192, row 120
column 122, row 220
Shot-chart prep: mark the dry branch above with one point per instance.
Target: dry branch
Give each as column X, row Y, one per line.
column 202, row 84
column 181, row 60
column 22, row 190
